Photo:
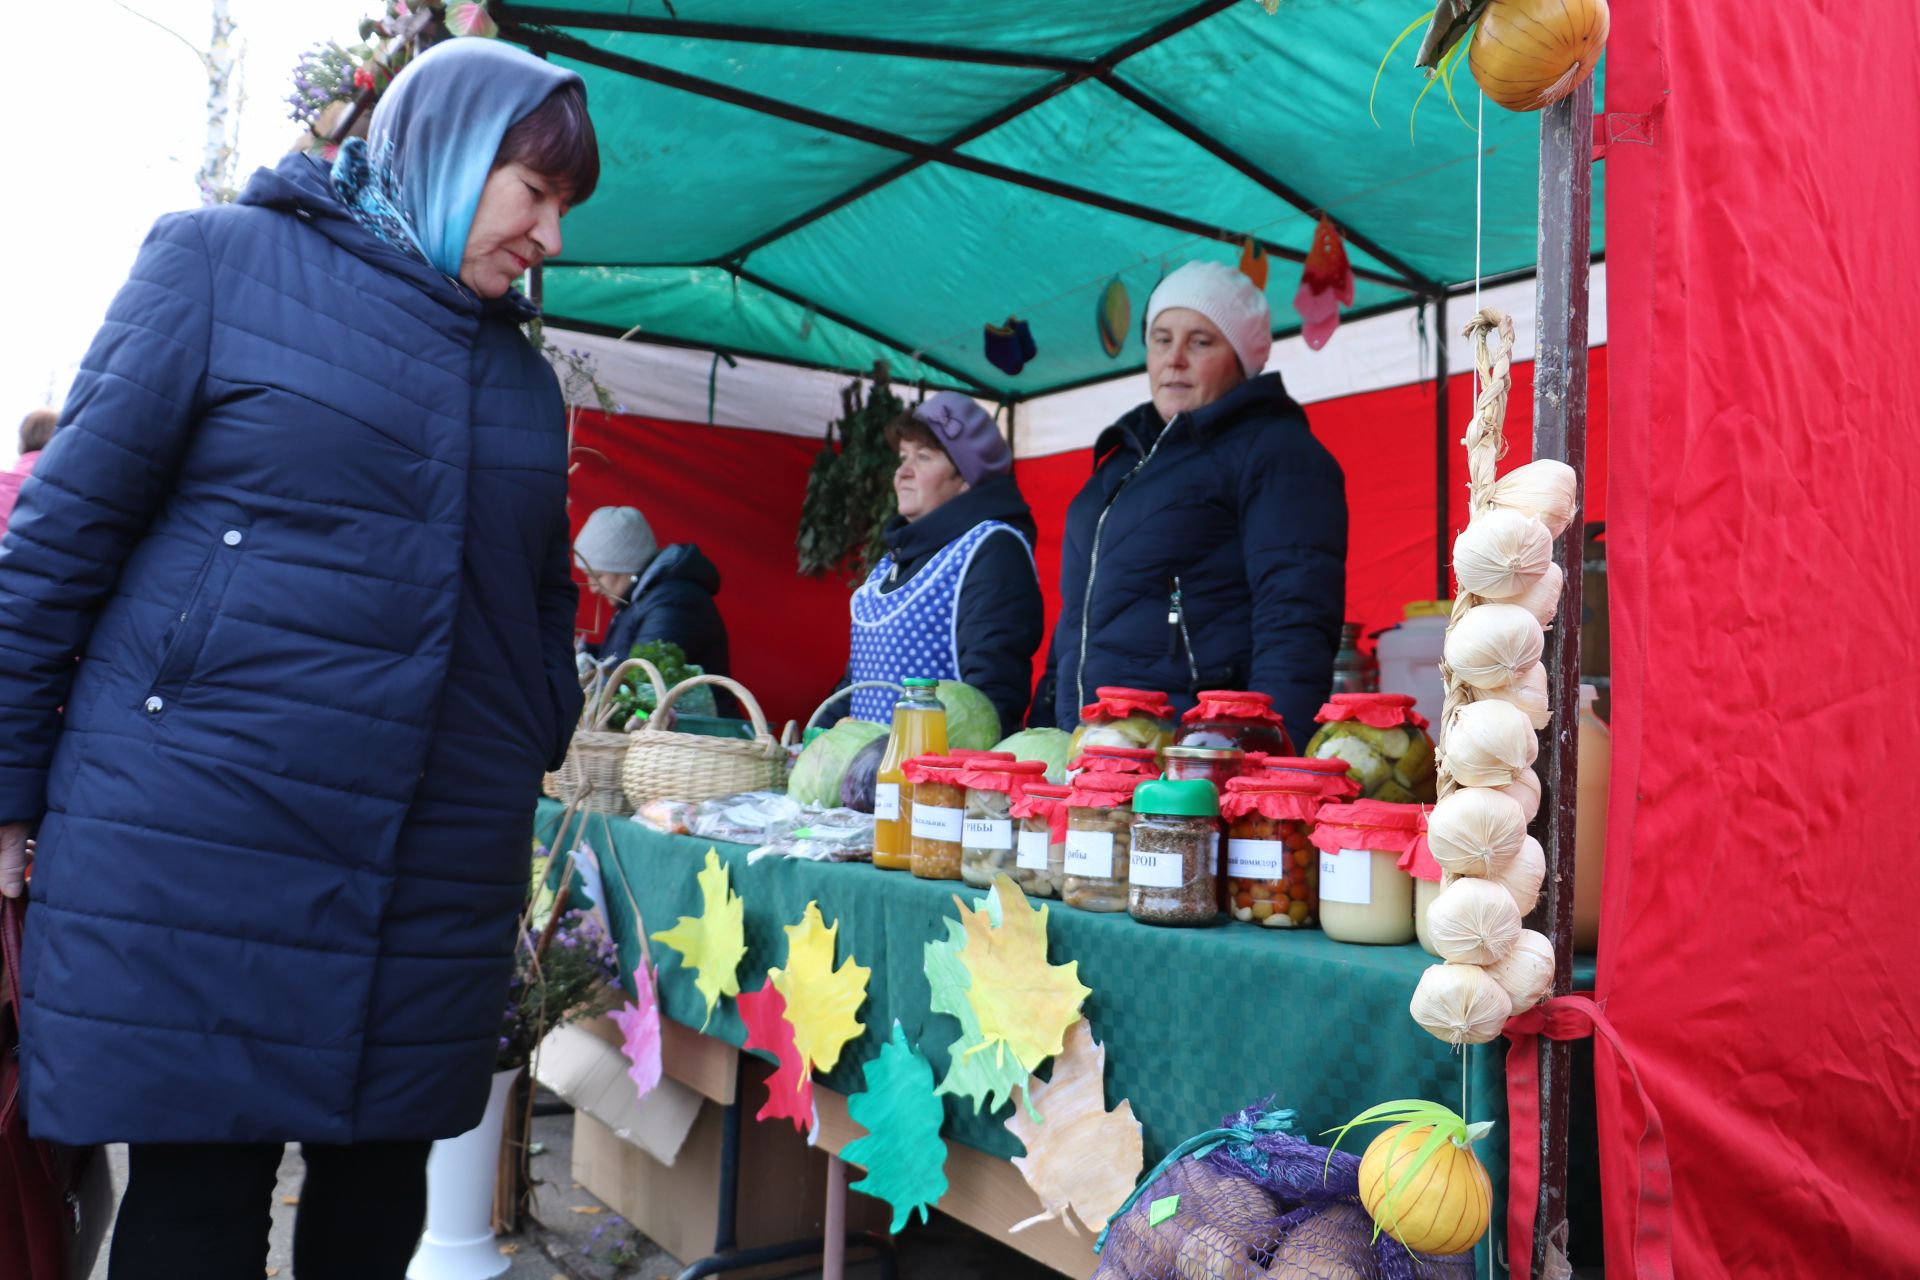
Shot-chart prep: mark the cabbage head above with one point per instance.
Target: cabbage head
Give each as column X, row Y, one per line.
column 817, row 775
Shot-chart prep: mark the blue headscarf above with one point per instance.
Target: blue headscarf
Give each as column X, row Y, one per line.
column 415, row 181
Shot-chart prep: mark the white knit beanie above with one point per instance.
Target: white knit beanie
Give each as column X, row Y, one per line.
column 615, row 540
column 1226, row 297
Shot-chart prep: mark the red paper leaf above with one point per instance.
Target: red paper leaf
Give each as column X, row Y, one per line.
column 790, row 1088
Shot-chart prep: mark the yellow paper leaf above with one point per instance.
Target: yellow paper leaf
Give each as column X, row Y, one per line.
column 820, row 1001
column 1024, row 1004
column 713, row 943
column 1084, row 1155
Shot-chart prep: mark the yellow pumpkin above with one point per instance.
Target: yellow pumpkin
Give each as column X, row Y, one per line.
column 1447, row 1206
column 1528, row 54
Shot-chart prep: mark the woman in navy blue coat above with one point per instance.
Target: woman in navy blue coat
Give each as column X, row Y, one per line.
column 304, row 529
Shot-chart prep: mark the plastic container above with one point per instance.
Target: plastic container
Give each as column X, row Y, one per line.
column 1272, row 868
column 1366, row 893
column 1040, row 864
column 1590, row 821
column 1235, row 720
column 1175, row 848
column 1142, row 762
column 1385, row 743
column 1409, row 656
column 939, row 816
column 1099, row 841
column 988, row 841
column 1124, row 718
column 919, row 728
column 1206, row 764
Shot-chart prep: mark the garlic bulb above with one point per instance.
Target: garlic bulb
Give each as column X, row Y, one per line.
column 1490, row 645
column 1544, row 489
column 1522, row 874
column 1542, row 599
column 1473, row 921
column 1460, row 1004
column 1475, row 830
column 1526, row 975
column 1525, row 788
column 1488, row 744
column 1527, row 691
column 1500, row 554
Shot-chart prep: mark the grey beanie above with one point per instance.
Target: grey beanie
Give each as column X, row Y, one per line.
column 615, row 540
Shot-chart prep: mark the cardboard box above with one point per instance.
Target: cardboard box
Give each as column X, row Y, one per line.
column 582, row 1063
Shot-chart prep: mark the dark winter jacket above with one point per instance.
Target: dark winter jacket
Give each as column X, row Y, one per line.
column 1206, row 554
column 304, row 527
column 673, row 600
column 1000, row 622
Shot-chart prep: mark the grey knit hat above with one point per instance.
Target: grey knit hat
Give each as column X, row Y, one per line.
column 615, row 540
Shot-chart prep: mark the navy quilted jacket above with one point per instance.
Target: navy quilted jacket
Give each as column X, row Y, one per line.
column 304, row 529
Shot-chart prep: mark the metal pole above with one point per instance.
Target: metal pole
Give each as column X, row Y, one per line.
column 1560, row 431
column 1442, row 455
column 833, row 1261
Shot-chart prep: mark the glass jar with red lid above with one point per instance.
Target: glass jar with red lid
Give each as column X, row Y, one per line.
column 1366, row 849
column 1099, row 841
column 1272, row 866
column 1236, row 720
column 939, row 815
column 989, row 841
column 1384, row 743
column 1143, row 762
column 1125, row 718
column 1217, row 765
column 1041, row 853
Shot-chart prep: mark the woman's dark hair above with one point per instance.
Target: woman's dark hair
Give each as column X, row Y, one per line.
column 36, row 429
column 556, row 140
column 906, row 427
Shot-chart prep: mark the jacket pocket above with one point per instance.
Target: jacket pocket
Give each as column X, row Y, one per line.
column 188, row 635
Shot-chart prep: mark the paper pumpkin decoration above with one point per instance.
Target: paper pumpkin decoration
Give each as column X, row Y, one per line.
column 902, row 1152
column 1253, row 262
column 1024, row 1005
column 821, row 1000
column 790, row 1088
column 1112, row 313
column 1083, row 1155
column 714, row 942
column 988, row 1079
column 1326, row 285
column 639, row 1024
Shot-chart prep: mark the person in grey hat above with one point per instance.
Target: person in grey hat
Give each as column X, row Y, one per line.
column 658, row 593
column 956, row 596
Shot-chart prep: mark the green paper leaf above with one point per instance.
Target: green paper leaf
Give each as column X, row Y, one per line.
column 988, row 1079
column 1162, row 1209
column 902, row 1152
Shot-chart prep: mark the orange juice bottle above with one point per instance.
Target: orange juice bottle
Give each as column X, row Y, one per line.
column 919, row 729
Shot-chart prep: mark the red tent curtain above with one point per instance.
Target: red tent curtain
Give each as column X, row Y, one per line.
column 1758, row 950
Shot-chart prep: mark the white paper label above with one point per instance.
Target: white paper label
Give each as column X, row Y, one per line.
column 1157, row 870
column 1090, row 854
column 1257, row 859
column 931, row 822
column 1035, row 846
column 886, row 802
column 1347, row 876
column 989, row 833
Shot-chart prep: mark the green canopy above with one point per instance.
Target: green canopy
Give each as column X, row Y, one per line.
column 841, row 181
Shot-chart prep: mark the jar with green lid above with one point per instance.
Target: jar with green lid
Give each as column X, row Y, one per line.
column 1172, row 863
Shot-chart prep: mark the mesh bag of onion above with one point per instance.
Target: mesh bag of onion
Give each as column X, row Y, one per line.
column 1254, row 1202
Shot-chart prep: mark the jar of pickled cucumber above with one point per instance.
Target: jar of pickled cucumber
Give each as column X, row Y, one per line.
column 1124, row 718
column 1099, row 841
column 939, row 815
column 1384, row 742
column 1040, row 856
column 989, row 844
column 1142, row 762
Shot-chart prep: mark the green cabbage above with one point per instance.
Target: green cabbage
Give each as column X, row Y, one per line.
column 817, row 775
column 972, row 723
column 1046, row 745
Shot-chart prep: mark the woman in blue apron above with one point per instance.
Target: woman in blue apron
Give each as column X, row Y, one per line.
column 956, row 596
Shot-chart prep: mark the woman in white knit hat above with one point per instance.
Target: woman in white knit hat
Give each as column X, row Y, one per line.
column 1208, row 550
column 658, row 593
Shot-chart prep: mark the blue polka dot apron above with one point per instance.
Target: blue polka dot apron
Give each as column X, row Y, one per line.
column 912, row 630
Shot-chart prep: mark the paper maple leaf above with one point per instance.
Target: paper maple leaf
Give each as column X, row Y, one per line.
column 639, row 1023
column 902, row 1152
column 1084, row 1155
column 790, row 1088
column 713, row 943
column 978, row 1076
column 1023, row 1004
column 821, row 1001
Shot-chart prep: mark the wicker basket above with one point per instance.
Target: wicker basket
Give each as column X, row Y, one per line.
column 664, row 765
column 591, row 775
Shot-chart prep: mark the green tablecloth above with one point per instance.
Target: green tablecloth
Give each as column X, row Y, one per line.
column 1197, row 1023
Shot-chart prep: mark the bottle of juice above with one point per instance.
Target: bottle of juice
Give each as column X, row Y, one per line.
column 919, row 729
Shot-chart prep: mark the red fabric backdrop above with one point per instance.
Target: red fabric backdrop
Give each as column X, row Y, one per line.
column 737, row 493
column 1758, row 950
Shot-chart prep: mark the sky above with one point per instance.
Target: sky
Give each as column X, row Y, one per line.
column 107, row 124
